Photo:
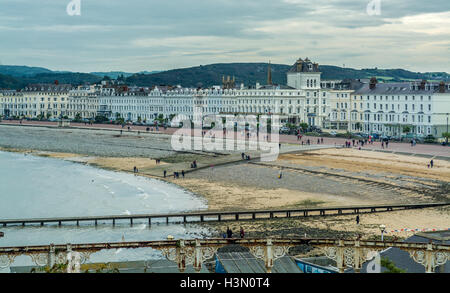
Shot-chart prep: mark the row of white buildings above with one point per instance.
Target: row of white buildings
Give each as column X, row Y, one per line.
column 357, row 106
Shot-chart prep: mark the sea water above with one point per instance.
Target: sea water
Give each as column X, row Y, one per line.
column 37, row 187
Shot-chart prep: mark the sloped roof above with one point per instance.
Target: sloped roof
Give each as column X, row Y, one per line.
column 245, row 262
column 304, row 66
column 395, row 88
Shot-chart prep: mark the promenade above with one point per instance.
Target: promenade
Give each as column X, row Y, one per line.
column 404, row 148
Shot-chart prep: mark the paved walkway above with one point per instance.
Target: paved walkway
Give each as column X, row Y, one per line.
column 425, row 149
column 222, row 160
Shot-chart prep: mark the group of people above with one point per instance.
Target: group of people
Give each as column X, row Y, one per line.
column 229, row 233
column 245, row 157
column 158, row 161
column 135, row 170
column 308, row 142
column 194, row 165
column 176, row 175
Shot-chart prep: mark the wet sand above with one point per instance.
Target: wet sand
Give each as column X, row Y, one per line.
column 232, row 188
column 375, row 162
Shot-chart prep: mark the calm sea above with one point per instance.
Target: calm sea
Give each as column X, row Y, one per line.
column 34, row 187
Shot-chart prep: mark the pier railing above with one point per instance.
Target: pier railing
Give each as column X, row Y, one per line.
column 349, row 253
column 210, row 216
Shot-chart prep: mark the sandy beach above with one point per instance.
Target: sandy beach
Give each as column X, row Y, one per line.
column 328, row 177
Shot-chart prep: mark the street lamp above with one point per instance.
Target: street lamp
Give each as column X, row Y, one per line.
column 446, row 139
column 383, row 229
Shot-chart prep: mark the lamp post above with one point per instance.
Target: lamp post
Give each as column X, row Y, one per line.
column 446, row 138
column 383, row 229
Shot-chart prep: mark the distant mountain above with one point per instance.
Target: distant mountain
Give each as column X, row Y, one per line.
column 9, row 82
column 19, row 71
column 116, row 74
column 250, row 73
column 16, row 77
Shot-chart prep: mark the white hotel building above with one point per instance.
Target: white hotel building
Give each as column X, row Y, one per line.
column 302, row 100
column 355, row 106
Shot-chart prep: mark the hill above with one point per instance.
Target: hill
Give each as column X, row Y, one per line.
column 16, row 77
column 20, row 71
column 9, row 82
column 116, row 74
column 250, row 73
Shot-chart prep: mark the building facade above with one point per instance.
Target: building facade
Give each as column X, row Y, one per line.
column 421, row 108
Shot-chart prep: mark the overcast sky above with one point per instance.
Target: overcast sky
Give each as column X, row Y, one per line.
column 135, row 35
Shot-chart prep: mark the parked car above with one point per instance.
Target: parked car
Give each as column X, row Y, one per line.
column 285, row 130
column 333, row 133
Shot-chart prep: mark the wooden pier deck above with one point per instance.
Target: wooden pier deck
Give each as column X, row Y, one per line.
column 210, row 216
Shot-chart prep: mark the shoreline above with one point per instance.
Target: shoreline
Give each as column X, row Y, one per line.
column 324, row 178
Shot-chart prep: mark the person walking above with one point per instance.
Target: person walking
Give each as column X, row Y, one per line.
column 182, row 173
column 165, row 173
column 357, row 219
column 242, row 233
column 431, row 163
column 229, row 233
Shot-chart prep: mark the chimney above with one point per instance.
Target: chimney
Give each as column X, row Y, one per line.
column 442, row 87
column 373, row 83
column 269, row 75
column 422, row 84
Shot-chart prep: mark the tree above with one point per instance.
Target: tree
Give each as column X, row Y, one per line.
column 390, row 266
column 406, row 129
column 446, row 135
column 304, row 126
column 100, row 119
column 78, row 117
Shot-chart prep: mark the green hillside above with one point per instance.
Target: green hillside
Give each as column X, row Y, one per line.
column 15, row 77
column 250, row 73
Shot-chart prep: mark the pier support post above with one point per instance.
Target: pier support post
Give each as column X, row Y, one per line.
column 340, row 260
column 51, row 256
column 198, row 256
column 237, row 217
column 269, row 256
column 181, row 254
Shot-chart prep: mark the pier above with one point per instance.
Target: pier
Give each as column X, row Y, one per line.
column 210, row 216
